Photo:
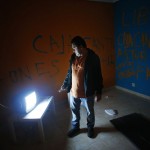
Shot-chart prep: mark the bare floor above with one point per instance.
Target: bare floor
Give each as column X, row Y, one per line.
column 57, row 125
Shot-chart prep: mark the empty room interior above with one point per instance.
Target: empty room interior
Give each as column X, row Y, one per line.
column 36, row 49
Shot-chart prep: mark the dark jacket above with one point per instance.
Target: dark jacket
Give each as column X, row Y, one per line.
column 93, row 81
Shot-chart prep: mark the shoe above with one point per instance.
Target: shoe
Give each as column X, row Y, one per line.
column 73, row 132
column 90, row 132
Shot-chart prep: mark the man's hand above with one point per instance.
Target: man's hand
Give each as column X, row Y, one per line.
column 61, row 89
column 97, row 97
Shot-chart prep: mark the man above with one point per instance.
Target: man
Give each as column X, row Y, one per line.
column 84, row 82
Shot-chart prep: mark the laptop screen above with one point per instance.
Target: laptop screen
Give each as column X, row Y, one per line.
column 30, row 101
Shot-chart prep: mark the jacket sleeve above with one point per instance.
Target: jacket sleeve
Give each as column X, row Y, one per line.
column 98, row 74
column 67, row 79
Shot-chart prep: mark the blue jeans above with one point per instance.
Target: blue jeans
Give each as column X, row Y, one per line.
column 88, row 103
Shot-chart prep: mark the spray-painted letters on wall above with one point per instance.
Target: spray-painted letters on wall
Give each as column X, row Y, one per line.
column 57, row 47
column 132, row 44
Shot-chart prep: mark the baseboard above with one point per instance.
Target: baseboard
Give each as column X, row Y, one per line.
column 133, row 92
column 108, row 88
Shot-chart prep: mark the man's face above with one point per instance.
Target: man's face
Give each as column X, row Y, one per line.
column 77, row 50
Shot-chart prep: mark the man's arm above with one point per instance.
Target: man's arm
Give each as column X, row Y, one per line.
column 99, row 80
column 65, row 84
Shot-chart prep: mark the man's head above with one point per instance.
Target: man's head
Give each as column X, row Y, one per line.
column 78, row 45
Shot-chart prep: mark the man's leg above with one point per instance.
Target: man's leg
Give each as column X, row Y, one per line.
column 89, row 105
column 75, row 109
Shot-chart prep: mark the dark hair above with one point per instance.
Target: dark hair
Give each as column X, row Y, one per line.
column 78, row 41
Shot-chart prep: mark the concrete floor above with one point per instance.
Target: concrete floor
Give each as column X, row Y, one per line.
column 106, row 136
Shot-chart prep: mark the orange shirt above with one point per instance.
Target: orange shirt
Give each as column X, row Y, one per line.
column 77, row 89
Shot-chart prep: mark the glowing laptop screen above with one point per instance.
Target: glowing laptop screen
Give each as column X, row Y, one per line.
column 30, row 101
